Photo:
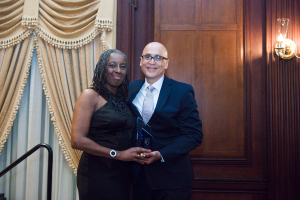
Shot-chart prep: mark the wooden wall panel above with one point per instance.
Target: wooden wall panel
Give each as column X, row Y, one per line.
column 283, row 107
column 219, row 11
column 229, row 196
column 185, row 40
column 177, row 12
column 220, row 94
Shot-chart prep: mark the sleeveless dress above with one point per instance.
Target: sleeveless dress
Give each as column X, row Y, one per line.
column 104, row 178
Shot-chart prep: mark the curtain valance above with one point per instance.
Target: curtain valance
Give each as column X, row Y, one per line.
column 63, row 24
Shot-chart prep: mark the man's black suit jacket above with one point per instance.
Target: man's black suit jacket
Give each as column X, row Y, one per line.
column 176, row 129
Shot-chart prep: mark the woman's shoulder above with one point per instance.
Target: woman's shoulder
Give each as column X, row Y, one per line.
column 89, row 93
column 87, row 96
column 91, row 96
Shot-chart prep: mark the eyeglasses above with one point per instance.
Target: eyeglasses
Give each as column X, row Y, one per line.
column 155, row 58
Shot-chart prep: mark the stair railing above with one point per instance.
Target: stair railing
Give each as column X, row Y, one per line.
column 50, row 161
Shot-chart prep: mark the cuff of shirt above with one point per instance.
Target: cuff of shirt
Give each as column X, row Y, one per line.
column 162, row 159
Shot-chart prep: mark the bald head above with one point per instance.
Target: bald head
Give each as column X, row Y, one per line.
column 155, row 48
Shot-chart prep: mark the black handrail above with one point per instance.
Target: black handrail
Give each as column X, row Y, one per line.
column 50, row 161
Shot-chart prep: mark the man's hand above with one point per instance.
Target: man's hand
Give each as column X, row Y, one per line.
column 152, row 157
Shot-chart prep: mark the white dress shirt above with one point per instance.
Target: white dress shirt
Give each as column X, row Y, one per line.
column 139, row 98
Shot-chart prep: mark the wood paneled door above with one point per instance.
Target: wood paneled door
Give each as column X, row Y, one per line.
column 211, row 46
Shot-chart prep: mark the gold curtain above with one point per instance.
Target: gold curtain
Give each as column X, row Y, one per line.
column 69, row 37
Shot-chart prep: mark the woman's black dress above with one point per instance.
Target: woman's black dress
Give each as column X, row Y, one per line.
column 103, row 178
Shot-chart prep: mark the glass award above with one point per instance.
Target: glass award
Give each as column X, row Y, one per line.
column 144, row 137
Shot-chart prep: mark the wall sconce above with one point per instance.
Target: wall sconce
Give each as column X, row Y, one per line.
column 285, row 48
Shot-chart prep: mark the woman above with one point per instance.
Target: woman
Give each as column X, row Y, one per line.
column 102, row 127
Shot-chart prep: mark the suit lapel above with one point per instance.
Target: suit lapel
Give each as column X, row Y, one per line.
column 135, row 88
column 163, row 96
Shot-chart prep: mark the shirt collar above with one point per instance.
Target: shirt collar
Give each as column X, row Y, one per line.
column 157, row 85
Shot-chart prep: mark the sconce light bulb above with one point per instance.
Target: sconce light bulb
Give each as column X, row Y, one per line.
column 280, row 38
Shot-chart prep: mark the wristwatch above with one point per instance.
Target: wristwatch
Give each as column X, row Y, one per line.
column 112, row 153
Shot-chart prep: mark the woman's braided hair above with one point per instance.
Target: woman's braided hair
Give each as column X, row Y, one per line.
column 100, row 80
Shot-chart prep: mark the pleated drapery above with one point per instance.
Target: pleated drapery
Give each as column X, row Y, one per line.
column 32, row 126
column 69, row 37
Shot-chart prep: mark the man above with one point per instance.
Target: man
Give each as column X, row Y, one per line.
column 167, row 172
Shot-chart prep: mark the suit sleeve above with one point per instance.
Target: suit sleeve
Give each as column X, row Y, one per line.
column 190, row 129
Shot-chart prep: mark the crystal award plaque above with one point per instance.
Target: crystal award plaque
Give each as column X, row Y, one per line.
column 144, row 137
